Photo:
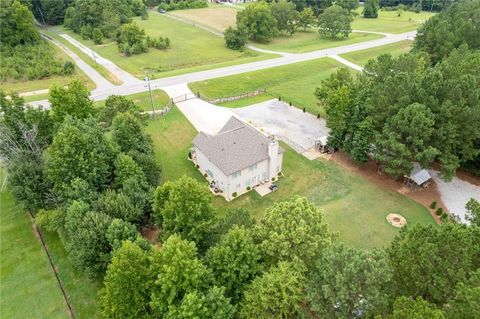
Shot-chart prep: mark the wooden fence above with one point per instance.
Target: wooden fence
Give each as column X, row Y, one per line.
column 237, row 97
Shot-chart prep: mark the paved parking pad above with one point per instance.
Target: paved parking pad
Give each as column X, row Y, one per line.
column 289, row 124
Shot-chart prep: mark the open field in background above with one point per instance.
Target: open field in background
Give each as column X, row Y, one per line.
column 192, row 49
column 217, row 17
column 310, row 40
column 353, row 206
column 160, row 100
column 46, row 83
column 363, row 56
column 295, row 83
column 53, row 32
column 29, row 288
column 390, row 22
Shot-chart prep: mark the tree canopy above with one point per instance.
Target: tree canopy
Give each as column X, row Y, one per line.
column 335, row 21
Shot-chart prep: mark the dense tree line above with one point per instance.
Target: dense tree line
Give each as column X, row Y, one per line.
column 170, row 5
column 95, row 189
column 104, row 17
column 25, row 56
column 289, row 265
column 420, row 107
column 262, row 21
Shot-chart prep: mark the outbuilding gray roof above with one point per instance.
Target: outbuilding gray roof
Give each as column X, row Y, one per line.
column 237, row 146
column 419, row 175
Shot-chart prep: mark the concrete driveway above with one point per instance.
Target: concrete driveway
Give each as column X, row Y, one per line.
column 204, row 116
column 289, row 124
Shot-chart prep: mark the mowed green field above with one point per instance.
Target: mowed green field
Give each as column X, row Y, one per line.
column 295, row 83
column 192, row 49
column 160, row 100
column 353, row 206
column 390, row 21
column 310, row 40
column 363, row 56
column 46, row 83
column 28, row 286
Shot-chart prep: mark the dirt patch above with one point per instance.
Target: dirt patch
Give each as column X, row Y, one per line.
column 215, row 18
column 152, row 234
column 369, row 171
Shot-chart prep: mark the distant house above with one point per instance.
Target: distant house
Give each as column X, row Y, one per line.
column 238, row 158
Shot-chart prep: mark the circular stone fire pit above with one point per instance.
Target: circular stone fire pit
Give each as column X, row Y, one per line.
column 396, row 220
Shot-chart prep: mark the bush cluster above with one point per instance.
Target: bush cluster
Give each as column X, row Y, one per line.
column 30, row 62
column 158, row 43
column 181, row 5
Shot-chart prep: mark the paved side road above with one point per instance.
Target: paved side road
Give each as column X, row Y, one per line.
column 122, row 75
column 100, row 82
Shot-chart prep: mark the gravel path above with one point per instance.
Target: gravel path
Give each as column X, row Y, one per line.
column 456, row 194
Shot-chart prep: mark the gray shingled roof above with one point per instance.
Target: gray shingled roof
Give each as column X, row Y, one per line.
column 235, row 147
column 419, row 175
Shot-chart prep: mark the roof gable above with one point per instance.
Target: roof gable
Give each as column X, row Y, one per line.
column 236, row 147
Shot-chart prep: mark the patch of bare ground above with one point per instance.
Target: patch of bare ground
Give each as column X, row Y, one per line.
column 151, row 233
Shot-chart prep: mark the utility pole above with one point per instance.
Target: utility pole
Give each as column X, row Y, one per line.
column 151, row 96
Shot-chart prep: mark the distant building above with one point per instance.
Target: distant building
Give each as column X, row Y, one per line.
column 238, row 158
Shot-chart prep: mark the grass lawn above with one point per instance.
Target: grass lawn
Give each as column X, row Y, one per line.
column 390, row 22
column 192, row 49
column 28, row 286
column 310, row 40
column 295, row 83
column 82, row 291
column 353, row 206
column 217, row 17
column 160, row 100
column 362, row 57
column 46, row 83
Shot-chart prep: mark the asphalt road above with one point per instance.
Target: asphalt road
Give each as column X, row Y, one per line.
column 104, row 90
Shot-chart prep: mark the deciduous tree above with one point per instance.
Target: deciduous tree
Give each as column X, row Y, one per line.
column 127, row 284
column 73, row 100
column 293, row 228
column 79, row 150
column 407, row 308
column 184, row 208
column 178, row 272
column 286, row 15
column 306, row 18
column 335, row 21
column 258, row 21
column 235, row 261
column 278, row 293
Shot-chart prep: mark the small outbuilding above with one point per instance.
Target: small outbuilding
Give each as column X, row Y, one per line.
column 321, row 144
column 419, row 177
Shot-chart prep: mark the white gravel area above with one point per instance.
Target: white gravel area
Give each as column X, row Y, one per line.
column 289, row 124
column 456, row 194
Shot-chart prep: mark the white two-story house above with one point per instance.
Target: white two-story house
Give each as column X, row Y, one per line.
column 237, row 158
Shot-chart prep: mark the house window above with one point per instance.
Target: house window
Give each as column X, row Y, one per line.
column 209, row 173
column 264, row 176
column 238, row 185
column 247, row 183
column 253, row 167
column 237, row 174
